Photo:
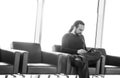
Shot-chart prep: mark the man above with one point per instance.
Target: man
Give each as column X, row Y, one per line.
column 73, row 42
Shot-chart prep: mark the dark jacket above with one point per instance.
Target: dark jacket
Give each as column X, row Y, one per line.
column 72, row 42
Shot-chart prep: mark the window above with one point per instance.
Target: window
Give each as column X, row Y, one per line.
column 17, row 21
column 111, row 39
column 59, row 15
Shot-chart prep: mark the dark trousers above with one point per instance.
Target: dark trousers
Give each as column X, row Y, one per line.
column 83, row 71
column 112, row 60
column 81, row 65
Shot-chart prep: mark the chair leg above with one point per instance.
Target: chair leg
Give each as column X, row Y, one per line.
column 102, row 76
column 95, row 76
column 57, row 75
column 49, row 76
column 75, row 76
column 23, row 75
column 31, row 76
column 67, row 76
column 92, row 76
column 14, row 76
column 6, row 76
column 39, row 76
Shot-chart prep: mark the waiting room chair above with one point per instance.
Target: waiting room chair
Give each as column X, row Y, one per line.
column 35, row 61
column 95, row 71
column 9, row 62
column 109, row 69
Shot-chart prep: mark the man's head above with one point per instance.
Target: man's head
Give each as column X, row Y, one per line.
column 78, row 27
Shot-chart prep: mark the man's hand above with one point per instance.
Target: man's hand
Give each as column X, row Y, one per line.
column 81, row 51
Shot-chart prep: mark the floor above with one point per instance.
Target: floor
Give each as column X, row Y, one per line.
column 53, row 76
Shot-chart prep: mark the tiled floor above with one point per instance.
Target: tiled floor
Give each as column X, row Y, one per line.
column 53, row 76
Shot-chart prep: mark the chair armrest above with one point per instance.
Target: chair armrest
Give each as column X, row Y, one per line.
column 102, row 64
column 12, row 57
column 23, row 61
column 16, row 62
column 56, row 58
column 56, row 48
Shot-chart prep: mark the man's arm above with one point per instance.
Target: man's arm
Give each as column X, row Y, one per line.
column 68, row 50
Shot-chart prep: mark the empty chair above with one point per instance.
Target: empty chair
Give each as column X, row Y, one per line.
column 9, row 62
column 110, row 69
column 35, row 61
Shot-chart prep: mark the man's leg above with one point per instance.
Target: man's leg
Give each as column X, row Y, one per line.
column 81, row 64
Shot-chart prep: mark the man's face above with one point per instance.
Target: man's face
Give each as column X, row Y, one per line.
column 79, row 29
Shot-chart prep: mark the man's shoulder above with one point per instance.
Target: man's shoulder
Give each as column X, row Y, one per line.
column 68, row 34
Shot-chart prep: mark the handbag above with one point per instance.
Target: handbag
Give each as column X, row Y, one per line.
column 92, row 56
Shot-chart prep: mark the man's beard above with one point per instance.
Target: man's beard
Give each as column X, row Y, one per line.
column 78, row 33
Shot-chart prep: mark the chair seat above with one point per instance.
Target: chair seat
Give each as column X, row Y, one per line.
column 6, row 68
column 112, row 69
column 3, row 64
column 41, row 68
column 92, row 70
